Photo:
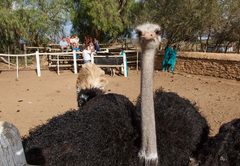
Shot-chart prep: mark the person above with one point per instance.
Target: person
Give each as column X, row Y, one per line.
column 68, row 41
column 74, row 47
column 72, row 40
column 88, row 39
column 166, row 57
column 123, row 53
column 96, row 44
column 63, row 44
column 81, row 48
column 86, row 55
column 90, row 47
column 77, row 40
column 172, row 59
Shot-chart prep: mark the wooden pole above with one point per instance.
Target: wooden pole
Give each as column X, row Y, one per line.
column 38, row 64
column 25, row 52
column 137, row 62
column 74, row 62
column 17, row 65
column 58, row 65
column 8, row 58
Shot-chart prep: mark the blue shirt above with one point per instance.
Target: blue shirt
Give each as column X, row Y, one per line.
column 167, row 51
column 173, row 54
column 121, row 53
column 63, row 43
column 76, row 49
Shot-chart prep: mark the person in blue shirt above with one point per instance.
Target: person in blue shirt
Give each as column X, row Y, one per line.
column 172, row 59
column 122, row 53
column 63, row 44
column 166, row 57
column 74, row 47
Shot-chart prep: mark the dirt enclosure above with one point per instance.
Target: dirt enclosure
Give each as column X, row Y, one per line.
column 30, row 100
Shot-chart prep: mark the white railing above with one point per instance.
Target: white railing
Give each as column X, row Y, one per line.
column 38, row 60
column 50, row 54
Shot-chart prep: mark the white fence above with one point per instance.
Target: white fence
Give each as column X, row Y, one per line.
column 64, row 53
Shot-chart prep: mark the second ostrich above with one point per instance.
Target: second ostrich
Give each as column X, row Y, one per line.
column 109, row 130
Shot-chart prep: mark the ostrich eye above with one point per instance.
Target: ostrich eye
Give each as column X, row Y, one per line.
column 157, row 32
column 139, row 33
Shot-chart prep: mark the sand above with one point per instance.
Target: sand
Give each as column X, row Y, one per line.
column 31, row 100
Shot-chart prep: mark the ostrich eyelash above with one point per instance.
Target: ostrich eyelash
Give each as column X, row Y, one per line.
column 157, row 32
column 139, row 33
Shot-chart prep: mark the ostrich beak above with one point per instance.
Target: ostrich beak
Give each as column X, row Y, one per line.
column 148, row 36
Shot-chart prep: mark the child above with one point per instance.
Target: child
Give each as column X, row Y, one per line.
column 173, row 56
column 74, row 47
column 72, row 40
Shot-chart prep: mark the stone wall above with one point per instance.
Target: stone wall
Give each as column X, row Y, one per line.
column 208, row 64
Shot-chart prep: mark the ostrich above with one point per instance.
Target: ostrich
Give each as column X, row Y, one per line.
column 90, row 83
column 109, row 130
column 222, row 149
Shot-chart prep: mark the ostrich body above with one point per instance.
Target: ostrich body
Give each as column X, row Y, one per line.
column 108, row 129
column 222, row 149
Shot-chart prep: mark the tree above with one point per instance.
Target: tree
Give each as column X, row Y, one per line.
column 108, row 18
column 229, row 33
column 192, row 20
column 31, row 21
column 176, row 17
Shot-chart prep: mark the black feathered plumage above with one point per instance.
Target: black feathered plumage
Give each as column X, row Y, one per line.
column 181, row 130
column 100, row 133
column 224, row 148
column 106, row 131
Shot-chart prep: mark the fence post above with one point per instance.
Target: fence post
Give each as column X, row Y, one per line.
column 8, row 58
column 92, row 58
column 25, row 52
column 58, row 64
column 107, row 50
column 137, row 61
column 38, row 64
column 74, row 62
column 17, row 65
column 124, row 63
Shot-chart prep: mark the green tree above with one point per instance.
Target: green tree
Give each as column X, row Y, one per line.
column 229, row 33
column 31, row 22
column 102, row 18
column 209, row 21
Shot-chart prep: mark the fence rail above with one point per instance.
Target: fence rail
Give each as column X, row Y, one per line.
column 73, row 54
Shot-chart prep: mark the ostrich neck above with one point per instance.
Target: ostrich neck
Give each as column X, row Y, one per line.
column 149, row 143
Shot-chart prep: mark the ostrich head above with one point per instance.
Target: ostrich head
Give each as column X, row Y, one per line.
column 149, row 35
column 91, row 76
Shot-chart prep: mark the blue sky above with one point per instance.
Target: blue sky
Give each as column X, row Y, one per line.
column 67, row 28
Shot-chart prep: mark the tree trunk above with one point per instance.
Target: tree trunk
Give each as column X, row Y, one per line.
column 226, row 47
column 207, row 41
column 238, row 46
column 202, row 46
column 98, row 34
column 51, row 39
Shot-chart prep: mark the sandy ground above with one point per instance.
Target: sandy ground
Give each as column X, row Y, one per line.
column 30, row 100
